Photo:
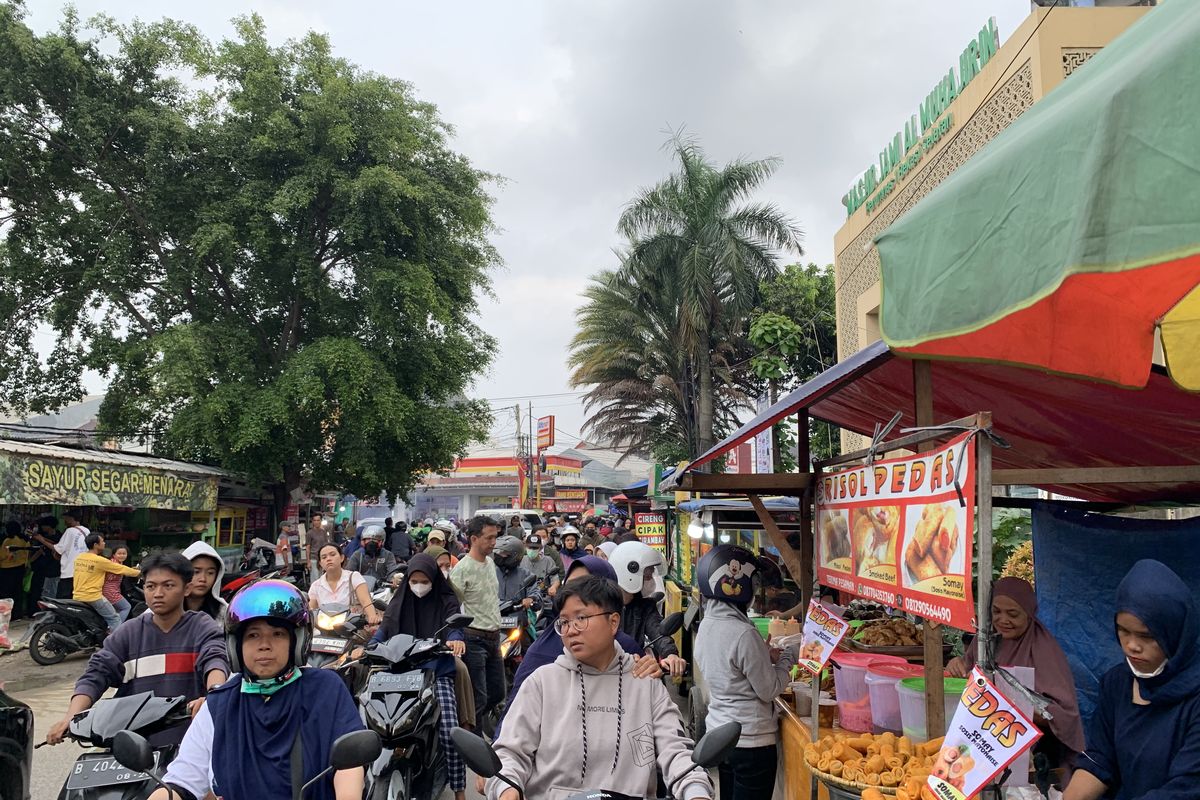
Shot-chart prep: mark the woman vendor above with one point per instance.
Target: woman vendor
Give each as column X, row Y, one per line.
column 1144, row 739
column 1025, row 642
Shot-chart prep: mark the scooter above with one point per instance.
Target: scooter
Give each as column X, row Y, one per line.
column 63, row 627
column 710, row 751
column 101, row 775
column 398, row 700
column 516, row 631
column 349, row 750
column 335, row 632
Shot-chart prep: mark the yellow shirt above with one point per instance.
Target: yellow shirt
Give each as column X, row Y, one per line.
column 13, row 558
column 90, row 570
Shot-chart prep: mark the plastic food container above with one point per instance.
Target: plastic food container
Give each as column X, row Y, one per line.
column 850, row 679
column 882, row 678
column 912, row 704
column 763, row 624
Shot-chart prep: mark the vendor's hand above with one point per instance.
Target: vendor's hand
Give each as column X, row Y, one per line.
column 457, row 647
column 194, row 706
column 647, row 666
column 674, row 665
column 58, row 730
column 775, row 614
column 957, row 668
column 527, row 602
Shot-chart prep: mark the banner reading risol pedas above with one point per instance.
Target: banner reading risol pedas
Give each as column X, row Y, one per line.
column 896, row 532
column 25, row 480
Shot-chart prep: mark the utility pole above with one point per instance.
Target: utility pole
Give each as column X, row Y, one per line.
column 534, row 460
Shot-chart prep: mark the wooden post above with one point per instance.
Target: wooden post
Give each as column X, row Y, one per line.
column 806, row 580
column 790, row 559
column 935, row 705
column 983, row 504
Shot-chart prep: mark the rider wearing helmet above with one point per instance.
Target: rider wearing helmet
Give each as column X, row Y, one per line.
column 444, row 531
column 373, row 558
column 743, row 674
column 639, row 567
column 571, row 547
column 510, row 573
column 258, row 729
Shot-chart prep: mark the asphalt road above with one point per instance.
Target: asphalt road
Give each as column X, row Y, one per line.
column 48, row 690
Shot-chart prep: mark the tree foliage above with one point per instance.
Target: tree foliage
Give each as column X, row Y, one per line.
column 794, row 335
column 272, row 254
column 700, row 236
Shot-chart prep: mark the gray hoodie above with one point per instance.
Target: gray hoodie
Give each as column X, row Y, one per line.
column 553, row 748
column 215, row 609
column 742, row 682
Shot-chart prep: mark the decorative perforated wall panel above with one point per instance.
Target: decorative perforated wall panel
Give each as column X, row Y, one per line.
column 1075, row 57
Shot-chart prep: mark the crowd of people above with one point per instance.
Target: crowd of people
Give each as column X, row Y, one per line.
column 586, row 709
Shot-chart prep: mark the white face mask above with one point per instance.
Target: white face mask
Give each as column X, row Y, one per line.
column 446, row 571
column 1154, row 674
column 420, row 589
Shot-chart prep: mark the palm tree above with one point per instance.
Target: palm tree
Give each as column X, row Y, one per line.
column 628, row 349
column 715, row 247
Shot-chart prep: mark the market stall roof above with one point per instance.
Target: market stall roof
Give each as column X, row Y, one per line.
column 721, row 504
column 1052, row 421
column 639, row 489
column 118, row 458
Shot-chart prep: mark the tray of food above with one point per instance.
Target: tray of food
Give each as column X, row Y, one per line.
column 873, row 766
column 895, row 636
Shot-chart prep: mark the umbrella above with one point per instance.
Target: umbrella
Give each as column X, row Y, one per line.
column 1074, row 235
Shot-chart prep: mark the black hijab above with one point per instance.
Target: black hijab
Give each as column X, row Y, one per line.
column 421, row 617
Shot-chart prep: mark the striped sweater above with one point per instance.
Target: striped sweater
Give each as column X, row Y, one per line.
column 140, row 657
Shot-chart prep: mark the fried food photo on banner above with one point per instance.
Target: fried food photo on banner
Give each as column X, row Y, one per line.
column 835, row 537
column 933, row 543
column 874, row 534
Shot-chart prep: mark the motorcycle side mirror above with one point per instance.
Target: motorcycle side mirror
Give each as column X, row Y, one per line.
column 671, row 625
column 478, row 754
column 716, row 744
column 349, row 750
column 530, row 580
column 133, row 751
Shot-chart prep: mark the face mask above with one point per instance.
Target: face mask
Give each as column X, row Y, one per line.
column 371, row 548
column 420, row 589
column 269, row 686
column 446, row 571
column 1154, row 674
column 533, row 553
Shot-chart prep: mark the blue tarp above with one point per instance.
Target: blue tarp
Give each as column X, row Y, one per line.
column 1079, row 558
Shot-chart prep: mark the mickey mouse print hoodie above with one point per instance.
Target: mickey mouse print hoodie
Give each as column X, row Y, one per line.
column 574, row 727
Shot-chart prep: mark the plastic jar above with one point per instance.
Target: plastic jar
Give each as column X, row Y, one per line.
column 850, row 679
column 882, row 678
column 912, row 704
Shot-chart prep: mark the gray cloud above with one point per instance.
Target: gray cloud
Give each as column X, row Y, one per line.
column 571, row 103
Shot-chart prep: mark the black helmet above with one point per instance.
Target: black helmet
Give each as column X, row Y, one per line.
column 275, row 601
column 509, row 551
column 724, row 573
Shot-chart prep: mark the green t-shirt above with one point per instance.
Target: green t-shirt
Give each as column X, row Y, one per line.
column 480, row 589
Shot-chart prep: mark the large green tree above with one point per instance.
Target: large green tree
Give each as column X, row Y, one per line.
column 701, row 227
column 642, row 392
column 273, row 255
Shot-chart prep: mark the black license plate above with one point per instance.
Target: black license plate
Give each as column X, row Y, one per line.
column 100, row 770
column 510, row 622
column 392, row 682
column 324, row 644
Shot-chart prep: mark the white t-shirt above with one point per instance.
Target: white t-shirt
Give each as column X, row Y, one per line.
column 344, row 593
column 70, row 546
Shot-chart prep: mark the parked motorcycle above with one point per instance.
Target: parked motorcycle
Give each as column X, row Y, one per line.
column 16, row 747
column 98, row 775
column 399, row 701
column 710, row 751
column 63, row 627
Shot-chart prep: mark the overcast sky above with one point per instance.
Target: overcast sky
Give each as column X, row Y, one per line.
column 571, row 102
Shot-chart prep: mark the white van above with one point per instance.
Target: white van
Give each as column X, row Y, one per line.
column 530, row 517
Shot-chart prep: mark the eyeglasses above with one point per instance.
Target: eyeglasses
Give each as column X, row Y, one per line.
column 579, row 624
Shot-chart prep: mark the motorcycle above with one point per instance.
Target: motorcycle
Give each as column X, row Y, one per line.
column 516, row 631
column 712, row 748
column 335, row 632
column 398, row 700
column 100, row 775
column 63, row 627
column 16, row 747
column 349, row 750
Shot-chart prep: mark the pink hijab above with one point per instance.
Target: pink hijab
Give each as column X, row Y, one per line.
column 1038, row 648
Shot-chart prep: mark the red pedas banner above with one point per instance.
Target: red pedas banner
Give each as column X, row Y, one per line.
column 896, row 532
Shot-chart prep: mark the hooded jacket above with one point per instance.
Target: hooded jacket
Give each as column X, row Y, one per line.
column 742, row 681
column 574, row 727
column 216, row 607
column 641, row 620
column 1151, row 750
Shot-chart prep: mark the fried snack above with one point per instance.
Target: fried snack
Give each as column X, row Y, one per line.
column 823, row 764
column 904, row 745
column 872, row 794
column 942, row 548
column 895, row 763
column 812, row 755
column 902, row 794
column 835, row 768
column 931, row 747
column 889, row 779
column 927, row 527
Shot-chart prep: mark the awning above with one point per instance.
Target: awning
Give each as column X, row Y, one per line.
column 45, row 474
column 718, row 504
column 638, row 489
column 1052, row 421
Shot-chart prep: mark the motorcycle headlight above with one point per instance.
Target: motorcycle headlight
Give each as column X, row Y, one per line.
column 330, row 622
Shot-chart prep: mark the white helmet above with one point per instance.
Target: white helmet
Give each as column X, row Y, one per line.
column 445, row 526
column 630, row 560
